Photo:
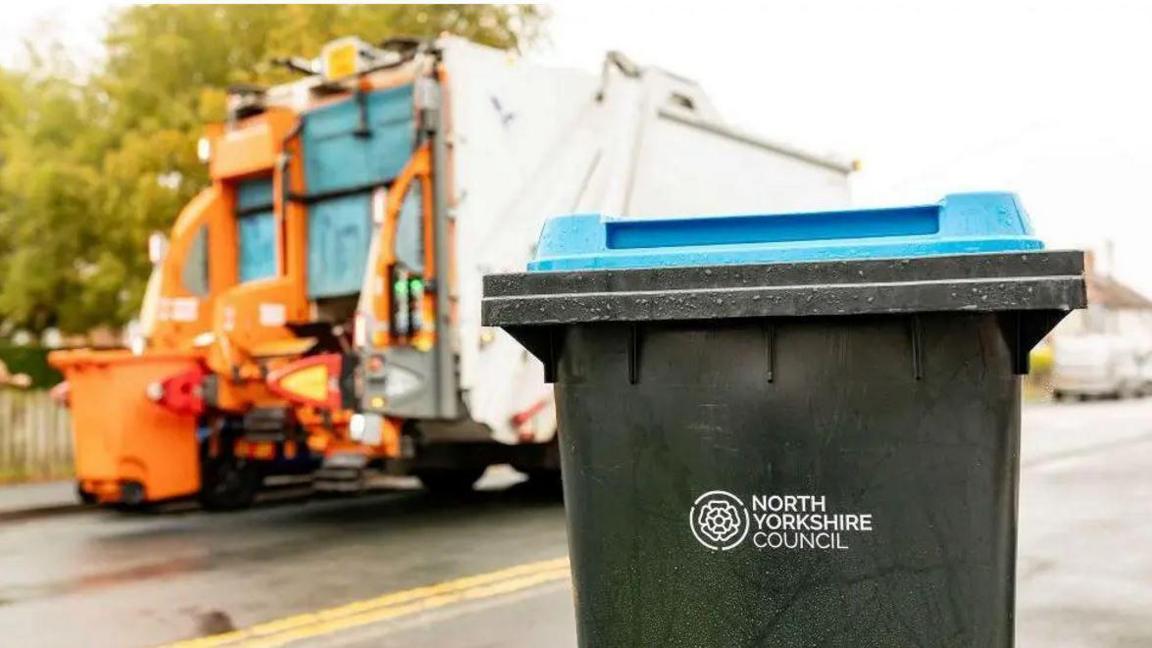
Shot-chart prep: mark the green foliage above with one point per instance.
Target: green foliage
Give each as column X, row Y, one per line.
column 89, row 168
column 32, row 361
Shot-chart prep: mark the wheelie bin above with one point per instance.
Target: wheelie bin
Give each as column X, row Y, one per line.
column 128, row 448
column 791, row 429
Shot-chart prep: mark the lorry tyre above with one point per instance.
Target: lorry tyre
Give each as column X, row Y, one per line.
column 449, row 481
column 544, row 478
column 228, row 483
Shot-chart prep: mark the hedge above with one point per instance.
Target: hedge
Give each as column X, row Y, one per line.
column 30, row 360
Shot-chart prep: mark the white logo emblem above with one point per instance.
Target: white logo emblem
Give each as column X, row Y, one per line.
column 719, row 520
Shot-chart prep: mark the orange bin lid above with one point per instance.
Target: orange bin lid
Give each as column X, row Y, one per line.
column 64, row 360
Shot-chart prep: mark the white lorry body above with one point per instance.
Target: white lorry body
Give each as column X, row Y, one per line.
column 528, row 142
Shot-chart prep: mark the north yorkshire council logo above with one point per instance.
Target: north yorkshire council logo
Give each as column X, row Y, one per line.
column 719, row 520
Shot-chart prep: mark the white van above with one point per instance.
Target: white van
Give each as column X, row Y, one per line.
column 1100, row 365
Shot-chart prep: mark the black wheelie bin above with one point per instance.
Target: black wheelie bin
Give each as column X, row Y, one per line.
column 791, row 429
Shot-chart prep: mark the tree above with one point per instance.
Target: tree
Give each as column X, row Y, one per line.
column 49, row 188
column 90, row 168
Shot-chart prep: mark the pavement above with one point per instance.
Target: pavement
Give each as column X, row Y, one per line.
column 403, row 569
column 22, row 500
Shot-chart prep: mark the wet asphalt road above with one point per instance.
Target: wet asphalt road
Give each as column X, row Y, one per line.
column 1085, row 546
column 109, row 579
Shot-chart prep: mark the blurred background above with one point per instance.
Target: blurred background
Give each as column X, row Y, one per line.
column 102, row 107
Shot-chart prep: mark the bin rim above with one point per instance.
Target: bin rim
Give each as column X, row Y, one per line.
column 998, row 282
column 64, row 359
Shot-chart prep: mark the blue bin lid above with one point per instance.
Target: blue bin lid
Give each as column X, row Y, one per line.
column 968, row 223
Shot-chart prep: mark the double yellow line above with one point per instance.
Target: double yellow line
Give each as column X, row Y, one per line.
column 387, row 607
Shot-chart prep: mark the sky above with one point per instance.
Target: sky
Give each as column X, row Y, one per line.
column 1047, row 99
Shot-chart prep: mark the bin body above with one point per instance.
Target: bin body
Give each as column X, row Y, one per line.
column 120, row 436
column 806, row 443
column 842, row 416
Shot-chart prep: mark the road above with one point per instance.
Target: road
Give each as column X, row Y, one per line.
column 403, row 569
column 1085, row 546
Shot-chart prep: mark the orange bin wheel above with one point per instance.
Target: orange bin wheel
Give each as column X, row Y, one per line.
column 123, row 441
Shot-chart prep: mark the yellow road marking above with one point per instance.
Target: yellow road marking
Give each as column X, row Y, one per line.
column 430, row 603
column 387, row 606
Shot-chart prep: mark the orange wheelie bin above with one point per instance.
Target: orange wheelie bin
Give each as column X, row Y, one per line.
column 128, row 447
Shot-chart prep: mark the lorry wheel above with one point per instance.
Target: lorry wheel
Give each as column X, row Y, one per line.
column 228, row 483
column 449, row 481
column 544, row 483
column 544, row 478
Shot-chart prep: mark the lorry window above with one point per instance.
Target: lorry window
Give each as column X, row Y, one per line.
column 350, row 148
column 410, row 229
column 257, row 246
column 194, row 274
column 339, row 234
column 256, row 229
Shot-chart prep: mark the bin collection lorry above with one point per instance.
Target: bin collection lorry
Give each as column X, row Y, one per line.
column 318, row 305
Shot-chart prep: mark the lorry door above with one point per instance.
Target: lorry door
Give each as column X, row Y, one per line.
column 179, row 300
column 399, row 328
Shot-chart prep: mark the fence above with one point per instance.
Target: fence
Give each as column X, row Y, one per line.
column 35, row 436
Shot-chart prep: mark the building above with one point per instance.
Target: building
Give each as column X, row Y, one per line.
column 1114, row 308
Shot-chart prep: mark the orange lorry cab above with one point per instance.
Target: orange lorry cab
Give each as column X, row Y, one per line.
column 129, row 447
column 140, row 419
column 262, row 268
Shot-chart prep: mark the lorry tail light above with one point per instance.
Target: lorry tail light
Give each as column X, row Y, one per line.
column 257, row 450
column 314, row 380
